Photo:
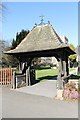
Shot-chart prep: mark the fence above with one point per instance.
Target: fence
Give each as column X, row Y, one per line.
column 5, row 76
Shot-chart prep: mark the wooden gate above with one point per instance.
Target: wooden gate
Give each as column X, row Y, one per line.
column 5, row 76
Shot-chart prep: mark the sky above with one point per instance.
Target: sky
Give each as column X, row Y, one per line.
column 63, row 16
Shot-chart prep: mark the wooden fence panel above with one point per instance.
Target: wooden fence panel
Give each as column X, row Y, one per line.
column 5, row 76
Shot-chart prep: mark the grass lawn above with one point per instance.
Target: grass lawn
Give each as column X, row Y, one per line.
column 46, row 74
column 71, row 69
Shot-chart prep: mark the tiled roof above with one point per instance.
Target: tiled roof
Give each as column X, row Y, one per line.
column 41, row 38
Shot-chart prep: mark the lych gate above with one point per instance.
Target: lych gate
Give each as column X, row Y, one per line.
column 43, row 41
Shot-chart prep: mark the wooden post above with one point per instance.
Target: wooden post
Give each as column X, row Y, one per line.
column 1, row 76
column 14, row 80
column 67, row 69
column 5, row 80
column 65, row 64
column 29, row 82
column 64, row 68
column 60, row 81
column 78, row 72
column 59, row 78
column 20, row 66
column 26, row 77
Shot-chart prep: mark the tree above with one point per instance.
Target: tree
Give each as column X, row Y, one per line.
column 14, row 44
column 2, row 46
column 19, row 37
column 72, row 47
column 2, row 11
column 5, row 60
column 78, row 53
column 9, row 60
column 72, row 58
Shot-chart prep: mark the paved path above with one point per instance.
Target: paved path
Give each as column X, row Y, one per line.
column 46, row 88
column 22, row 105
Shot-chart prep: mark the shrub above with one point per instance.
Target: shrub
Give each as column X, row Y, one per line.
column 79, row 88
column 70, row 91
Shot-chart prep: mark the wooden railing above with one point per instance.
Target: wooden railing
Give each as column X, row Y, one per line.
column 5, row 76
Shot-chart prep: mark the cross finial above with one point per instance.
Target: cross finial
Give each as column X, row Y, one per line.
column 41, row 19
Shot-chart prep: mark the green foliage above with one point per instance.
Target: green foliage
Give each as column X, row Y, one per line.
column 19, row 37
column 72, row 47
column 8, row 60
column 72, row 58
column 79, row 88
column 14, row 44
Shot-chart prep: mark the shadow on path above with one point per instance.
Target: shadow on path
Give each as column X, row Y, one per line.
column 48, row 78
column 75, row 76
